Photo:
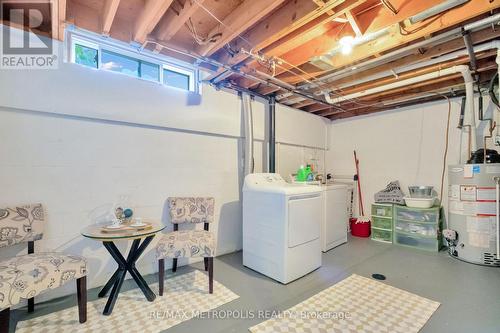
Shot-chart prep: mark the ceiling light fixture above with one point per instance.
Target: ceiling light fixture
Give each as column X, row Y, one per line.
column 346, row 44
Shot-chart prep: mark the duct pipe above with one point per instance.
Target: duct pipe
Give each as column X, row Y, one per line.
column 272, row 134
column 462, row 69
column 441, row 38
column 246, row 102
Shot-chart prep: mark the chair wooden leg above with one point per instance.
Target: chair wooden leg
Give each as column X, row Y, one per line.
column 174, row 265
column 81, row 291
column 4, row 320
column 206, row 263
column 31, row 304
column 161, row 275
column 211, row 275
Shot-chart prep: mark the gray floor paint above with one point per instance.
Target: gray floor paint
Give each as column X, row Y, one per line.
column 469, row 294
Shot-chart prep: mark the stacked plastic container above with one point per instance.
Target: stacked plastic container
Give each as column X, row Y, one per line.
column 418, row 227
column 382, row 221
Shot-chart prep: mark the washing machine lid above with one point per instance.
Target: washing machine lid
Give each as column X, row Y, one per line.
column 274, row 183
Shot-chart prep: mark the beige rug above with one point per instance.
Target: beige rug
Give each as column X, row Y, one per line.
column 185, row 297
column 355, row 305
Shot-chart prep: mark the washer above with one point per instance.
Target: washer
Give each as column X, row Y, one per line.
column 281, row 227
column 334, row 223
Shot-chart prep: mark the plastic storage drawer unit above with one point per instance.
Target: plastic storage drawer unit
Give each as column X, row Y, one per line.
column 382, row 221
column 418, row 227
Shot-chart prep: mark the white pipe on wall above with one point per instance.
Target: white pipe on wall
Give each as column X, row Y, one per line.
column 248, row 166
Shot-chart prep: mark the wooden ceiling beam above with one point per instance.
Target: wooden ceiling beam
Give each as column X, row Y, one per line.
column 294, row 15
column 61, row 19
column 240, row 19
column 444, row 90
column 391, row 40
column 108, row 15
column 354, row 22
column 435, row 51
column 427, row 86
column 414, row 73
column 173, row 22
column 394, row 39
column 149, row 18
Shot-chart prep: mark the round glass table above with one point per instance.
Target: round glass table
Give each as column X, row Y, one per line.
column 141, row 239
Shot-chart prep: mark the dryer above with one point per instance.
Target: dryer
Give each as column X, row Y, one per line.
column 281, row 227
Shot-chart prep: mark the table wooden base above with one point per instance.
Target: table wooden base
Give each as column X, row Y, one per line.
column 125, row 265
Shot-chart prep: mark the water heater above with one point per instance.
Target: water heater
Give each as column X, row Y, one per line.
column 473, row 212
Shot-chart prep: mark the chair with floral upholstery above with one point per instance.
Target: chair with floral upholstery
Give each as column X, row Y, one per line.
column 25, row 276
column 188, row 243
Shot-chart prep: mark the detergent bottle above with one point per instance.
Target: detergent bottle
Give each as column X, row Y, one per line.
column 301, row 174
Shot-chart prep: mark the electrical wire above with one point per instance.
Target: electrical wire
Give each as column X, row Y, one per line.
column 389, row 6
column 275, row 60
column 447, row 139
column 200, row 4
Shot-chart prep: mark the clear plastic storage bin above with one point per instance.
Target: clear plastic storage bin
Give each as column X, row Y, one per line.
column 382, row 223
column 384, row 210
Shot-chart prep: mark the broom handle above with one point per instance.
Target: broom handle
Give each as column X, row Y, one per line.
column 356, row 161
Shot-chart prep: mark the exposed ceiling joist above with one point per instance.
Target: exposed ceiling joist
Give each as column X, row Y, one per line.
column 172, row 22
column 354, row 22
column 294, row 15
column 389, row 41
column 149, row 18
column 241, row 19
column 108, row 15
column 58, row 19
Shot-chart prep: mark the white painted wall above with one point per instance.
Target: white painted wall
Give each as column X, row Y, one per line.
column 405, row 144
column 301, row 139
column 77, row 139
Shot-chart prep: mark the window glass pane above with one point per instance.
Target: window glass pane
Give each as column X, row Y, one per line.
column 175, row 79
column 85, row 55
column 119, row 63
column 150, row 71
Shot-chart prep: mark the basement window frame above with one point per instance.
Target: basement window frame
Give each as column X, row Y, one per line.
column 102, row 43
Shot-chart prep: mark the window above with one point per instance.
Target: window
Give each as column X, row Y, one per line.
column 97, row 52
column 175, row 79
column 150, row 71
column 85, row 53
column 117, row 63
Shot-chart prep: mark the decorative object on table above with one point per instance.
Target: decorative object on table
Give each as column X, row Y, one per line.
column 360, row 226
column 392, row 194
column 141, row 240
column 382, row 221
column 184, row 293
column 124, row 214
column 188, row 243
column 418, row 227
column 26, row 276
column 372, row 306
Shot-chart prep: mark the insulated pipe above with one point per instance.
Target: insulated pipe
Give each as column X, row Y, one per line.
column 272, row 134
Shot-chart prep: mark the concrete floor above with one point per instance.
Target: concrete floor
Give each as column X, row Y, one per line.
column 469, row 294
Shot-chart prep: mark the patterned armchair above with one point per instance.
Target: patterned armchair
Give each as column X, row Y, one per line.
column 188, row 243
column 25, row 276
